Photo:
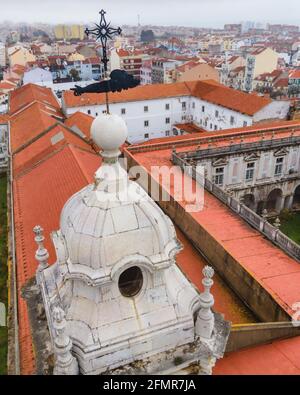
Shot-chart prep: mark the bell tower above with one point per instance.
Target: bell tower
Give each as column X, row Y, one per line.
column 126, row 306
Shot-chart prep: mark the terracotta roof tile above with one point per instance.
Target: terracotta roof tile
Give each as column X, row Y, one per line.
column 81, row 121
column 29, row 123
column 29, row 93
column 208, row 90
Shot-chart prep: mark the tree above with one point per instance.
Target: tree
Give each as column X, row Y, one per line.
column 74, row 75
column 147, row 36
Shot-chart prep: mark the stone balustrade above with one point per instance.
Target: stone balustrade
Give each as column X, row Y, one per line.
column 255, row 220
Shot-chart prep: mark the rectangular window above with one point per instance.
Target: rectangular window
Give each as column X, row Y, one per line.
column 183, row 118
column 250, row 171
column 146, row 108
column 216, row 127
column 184, row 105
column 123, row 111
column 167, row 133
column 193, row 105
column 167, row 106
column 203, row 108
column 245, row 124
column 231, row 120
column 146, row 135
column 219, row 176
column 167, row 120
column 216, row 113
column 146, row 124
column 278, row 166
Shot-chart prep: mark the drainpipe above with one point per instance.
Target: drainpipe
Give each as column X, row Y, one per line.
column 14, row 271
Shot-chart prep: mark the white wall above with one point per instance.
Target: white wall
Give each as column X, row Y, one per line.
column 276, row 110
column 222, row 121
column 37, row 75
column 135, row 116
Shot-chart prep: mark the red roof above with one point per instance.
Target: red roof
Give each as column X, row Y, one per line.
column 277, row 358
column 81, row 121
column 29, row 123
column 29, row 93
column 208, row 90
column 65, row 171
column 7, row 85
column 48, row 141
column 295, row 74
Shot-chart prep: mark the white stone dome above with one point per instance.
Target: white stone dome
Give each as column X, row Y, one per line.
column 113, row 218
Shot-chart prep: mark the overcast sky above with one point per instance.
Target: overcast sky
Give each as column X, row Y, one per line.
column 196, row 13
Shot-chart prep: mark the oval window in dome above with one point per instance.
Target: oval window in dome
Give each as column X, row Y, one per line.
column 131, row 281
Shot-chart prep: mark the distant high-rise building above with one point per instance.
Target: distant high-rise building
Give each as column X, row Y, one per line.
column 69, row 32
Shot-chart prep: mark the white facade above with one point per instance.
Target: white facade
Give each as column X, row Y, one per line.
column 145, row 119
column 213, row 117
column 149, row 119
column 38, row 76
column 2, row 55
column 252, row 174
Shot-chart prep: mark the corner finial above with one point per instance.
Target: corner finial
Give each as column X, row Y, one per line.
column 205, row 321
column 41, row 254
column 66, row 363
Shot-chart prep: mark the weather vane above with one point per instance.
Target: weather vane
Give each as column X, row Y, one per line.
column 119, row 79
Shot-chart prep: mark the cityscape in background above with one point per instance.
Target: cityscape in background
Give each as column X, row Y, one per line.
column 93, row 284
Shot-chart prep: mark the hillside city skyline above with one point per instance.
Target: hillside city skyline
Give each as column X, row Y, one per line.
column 203, row 15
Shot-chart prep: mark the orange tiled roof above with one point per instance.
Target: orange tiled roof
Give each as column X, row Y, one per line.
column 50, row 140
column 295, row 74
column 208, row 90
column 65, row 171
column 82, row 121
column 29, row 123
column 7, row 85
column 29, row 93
column 282, row 357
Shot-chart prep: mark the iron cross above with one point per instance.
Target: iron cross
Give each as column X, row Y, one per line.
column 103, row 32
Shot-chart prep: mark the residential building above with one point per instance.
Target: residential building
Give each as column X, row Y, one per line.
column 2, row 55
column 146, row 72
column 195, row 71
column 130, row 61
column 229, row 65
column 21, row 56
column 69, row 32
column 261, row 60
column 162, row 70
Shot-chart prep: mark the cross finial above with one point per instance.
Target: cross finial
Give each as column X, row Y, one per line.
column 103, row 31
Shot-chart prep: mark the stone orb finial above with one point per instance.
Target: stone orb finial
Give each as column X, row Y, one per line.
column 109, row 131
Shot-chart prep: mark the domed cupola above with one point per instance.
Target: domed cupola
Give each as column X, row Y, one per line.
column 115, row 295
column 114, row 218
